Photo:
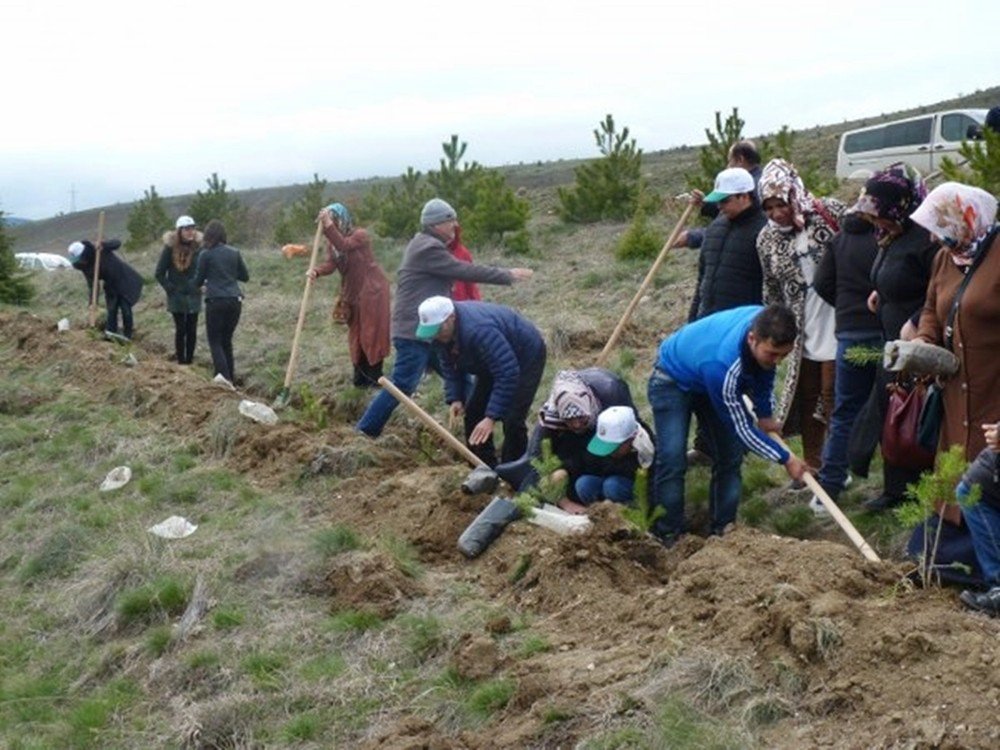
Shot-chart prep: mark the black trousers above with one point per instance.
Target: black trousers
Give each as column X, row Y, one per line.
column 185, row 336
column 515, row 431
column 222, row 314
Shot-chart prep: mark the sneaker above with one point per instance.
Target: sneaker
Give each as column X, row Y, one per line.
column 847, row 482
column 697, row 458
column 988, row 602
column 222, row 381
column 817, row 507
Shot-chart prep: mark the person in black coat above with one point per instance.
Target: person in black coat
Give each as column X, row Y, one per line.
column 505, row 352
column 122, row 283
column 843, row 279
column 220, row 269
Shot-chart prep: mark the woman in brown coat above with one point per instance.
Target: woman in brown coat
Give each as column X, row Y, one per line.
column 364, row 292
column 963, row 218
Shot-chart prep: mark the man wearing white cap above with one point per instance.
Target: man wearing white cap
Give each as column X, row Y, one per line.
column 504, row 351
column 428, row 269
column 122, row 283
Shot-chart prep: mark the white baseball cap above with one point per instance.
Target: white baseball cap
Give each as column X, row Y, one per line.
column 615, row 425
column 432, row 312
column 732, row 181
column 75, row 250
column 185, row 221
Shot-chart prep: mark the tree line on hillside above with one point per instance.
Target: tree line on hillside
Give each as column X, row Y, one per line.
column 609, row 188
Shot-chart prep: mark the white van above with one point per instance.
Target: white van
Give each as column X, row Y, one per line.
column 920, row 141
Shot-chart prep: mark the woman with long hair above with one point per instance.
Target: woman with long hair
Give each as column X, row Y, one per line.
column 175, row 273
column 220, row 269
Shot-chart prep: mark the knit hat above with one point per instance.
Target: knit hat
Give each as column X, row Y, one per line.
column 436, row 211
column 75, row 250
column 615, row 425
column 183, row 222
column 433, row 312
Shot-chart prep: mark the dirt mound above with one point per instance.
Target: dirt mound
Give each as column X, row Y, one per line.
column 810, row 643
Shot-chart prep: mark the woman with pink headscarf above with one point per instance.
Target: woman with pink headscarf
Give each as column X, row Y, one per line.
column 962, row 308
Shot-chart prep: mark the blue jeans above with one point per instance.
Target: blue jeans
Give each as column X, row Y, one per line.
column 852, row 386
column 411, row 361
column 591, row 489
column 983, row 521
column 672, row 409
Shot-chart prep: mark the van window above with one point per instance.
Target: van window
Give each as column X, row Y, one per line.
column 955, row 127
column 911, row 133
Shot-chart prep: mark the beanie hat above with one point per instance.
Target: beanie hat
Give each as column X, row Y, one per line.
column 436, row 211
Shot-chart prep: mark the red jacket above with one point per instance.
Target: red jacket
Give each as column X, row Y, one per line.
column 462, row 291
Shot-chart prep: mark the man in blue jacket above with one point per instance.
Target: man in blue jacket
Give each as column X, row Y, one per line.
column 706, row 367
column 504, row 351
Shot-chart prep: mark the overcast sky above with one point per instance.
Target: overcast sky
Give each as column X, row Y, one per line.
column 105, row 98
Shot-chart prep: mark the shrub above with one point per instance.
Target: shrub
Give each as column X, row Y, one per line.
column 298, row 221
column 219, row 203
column 640, row 241
column 147, row 221
column 15, row 287
column 608, row 188
column 980, row 165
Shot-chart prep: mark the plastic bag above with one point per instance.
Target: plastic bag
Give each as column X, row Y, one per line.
column 258, row 412
column 116, row 478
column 175, row 527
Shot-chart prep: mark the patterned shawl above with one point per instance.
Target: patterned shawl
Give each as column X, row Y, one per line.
column 961, row 216
column 781, row 180
column 570, row 397
column 893, row 194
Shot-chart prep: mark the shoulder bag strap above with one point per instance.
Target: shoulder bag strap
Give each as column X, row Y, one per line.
column 949, row 326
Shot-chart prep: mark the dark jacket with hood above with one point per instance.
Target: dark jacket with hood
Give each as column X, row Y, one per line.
column 119, row 278
column 900, row 274
column 843, row 277
column 489, row 340
column 183, row 295
column 729, row 273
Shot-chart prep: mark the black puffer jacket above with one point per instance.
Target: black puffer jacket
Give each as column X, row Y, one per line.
column 900, row 273
column 843, row 277
column 729, row 272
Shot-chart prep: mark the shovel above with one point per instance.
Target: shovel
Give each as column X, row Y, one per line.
column 616, row 334
column 282, row 400
column 835, row 512
column 97, row 271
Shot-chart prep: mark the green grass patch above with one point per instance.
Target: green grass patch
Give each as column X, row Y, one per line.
column 488, row 698
column 302, row 728
column 423, row 635
column 796, row 521
column 265, row 669
column 403, row 554
column 331, row 542
column 353, row 620
column 324, row 667
column 57, row 555
column 164, row 597
column 533, row 644
column 227, row 619
column 158, row 640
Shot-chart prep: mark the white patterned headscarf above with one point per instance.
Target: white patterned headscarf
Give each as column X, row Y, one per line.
column 961, row 215
column 569, row 398
column 779, row 179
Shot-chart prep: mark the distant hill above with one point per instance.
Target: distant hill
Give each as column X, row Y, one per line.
column 14, row 221
column 664, row 171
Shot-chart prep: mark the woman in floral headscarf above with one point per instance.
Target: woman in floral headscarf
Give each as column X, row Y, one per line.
column 790, row 247
column 364, row 290
column 964, row 219
column 900, row 274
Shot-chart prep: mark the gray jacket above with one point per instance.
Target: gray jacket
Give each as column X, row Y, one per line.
column 219, row 270
column 428, row 270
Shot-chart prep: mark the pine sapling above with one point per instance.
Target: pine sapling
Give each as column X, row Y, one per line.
column 638, row 513
column 551, row 487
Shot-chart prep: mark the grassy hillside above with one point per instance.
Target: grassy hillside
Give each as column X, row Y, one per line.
column 322, row 602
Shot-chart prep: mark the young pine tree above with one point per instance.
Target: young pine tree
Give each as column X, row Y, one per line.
column 15, row 288
column 147, row 221
column 979, row 164
column 219, row 203
column 298, row 221
column 608, row 188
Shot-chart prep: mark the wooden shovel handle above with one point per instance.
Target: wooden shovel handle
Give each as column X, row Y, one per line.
column 97, row 270
column 294, row 356
column 602, row 358
column 453, row 442
column 842, row 521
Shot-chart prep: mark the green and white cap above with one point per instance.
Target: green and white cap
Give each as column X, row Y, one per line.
column 615, row 425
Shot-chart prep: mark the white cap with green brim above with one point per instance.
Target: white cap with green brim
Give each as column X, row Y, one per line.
column 615, row 425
